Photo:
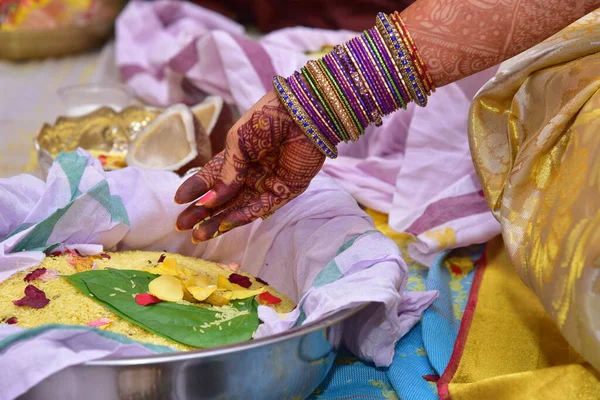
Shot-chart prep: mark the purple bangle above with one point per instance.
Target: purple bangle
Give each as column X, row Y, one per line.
column 305, row 101
column 359, row 84
column 361, row 58
column 389, row 63
column 379, row 73
column 366, row 74
column 346, row 88
column 346, row 81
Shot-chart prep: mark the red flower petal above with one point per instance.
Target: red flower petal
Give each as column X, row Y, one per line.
column 241, row 280
column 33, row 275
column 11, row 321
column 261, row 281
column 34, row 298
column 431, row 378
column 104, row 255
column 161, row 258
column 145, row 299
column 268, row 298
column 456, row 269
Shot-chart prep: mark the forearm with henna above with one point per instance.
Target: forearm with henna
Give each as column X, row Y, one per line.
column 458, row 38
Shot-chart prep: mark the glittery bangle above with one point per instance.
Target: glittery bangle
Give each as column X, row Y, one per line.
column 393, row 68
column 312, row 108
column 331, row 97
column 359, row 82
column 353, row 94
column 343, row 110
column 415, row 50
column 405, row 62
column 381, row 97
column 382, row 66
column 336, row 82
column 368, row 79
column 290, row 102
column 331, row 114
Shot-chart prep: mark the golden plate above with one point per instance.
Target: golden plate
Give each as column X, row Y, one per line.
column 33, row 44
column 103, row 131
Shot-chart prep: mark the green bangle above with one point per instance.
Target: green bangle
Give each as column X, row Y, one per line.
column 324, row 104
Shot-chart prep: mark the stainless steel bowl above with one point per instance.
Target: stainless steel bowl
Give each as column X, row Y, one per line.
column 286, row 366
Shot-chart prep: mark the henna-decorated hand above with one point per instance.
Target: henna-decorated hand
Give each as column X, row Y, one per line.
column 267, row 161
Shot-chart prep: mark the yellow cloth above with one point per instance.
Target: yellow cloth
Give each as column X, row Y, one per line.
column 513, row 349
column 535, row 140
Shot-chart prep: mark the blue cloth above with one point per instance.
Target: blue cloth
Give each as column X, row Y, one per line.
column 422, row 355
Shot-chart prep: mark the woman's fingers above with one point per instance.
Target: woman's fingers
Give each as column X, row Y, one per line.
column 201, row 182
column 191, row 216
column 231, row 178
column 240, row 214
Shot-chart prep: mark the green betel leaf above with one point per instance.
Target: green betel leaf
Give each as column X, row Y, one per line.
column 186, row 324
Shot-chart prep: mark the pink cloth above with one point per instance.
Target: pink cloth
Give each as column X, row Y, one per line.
column 416, row 168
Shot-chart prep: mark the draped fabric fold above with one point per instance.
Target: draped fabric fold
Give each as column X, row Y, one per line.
column 534, row 139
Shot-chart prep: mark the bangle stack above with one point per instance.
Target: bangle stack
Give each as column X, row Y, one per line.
column 335, row 98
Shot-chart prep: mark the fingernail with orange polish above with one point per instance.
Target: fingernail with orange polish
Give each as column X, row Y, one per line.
column 206, row 198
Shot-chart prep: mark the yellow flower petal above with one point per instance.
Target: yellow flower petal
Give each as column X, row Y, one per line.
column 202, row 293
column 224, row 283
column 245, row 293
column 199, row 280
column 166, row 288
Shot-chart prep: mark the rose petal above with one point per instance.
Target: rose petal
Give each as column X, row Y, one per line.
column 261, row 281
column 34, row 298
column 268, row 298
column 145, row 299
column 11, row 321
column 33, row 275
column 241, row 280
column 99, row 322
column 49, row 275
column 235, row 267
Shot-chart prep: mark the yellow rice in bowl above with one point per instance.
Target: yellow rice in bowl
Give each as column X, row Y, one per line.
column 71, row 307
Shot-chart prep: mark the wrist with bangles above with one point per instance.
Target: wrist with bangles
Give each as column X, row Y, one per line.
column 335, row 98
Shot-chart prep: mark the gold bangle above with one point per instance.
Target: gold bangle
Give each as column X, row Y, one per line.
column 355, row 132
column 331, row 98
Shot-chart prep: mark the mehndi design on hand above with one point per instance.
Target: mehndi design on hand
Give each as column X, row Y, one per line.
column 267, row 162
